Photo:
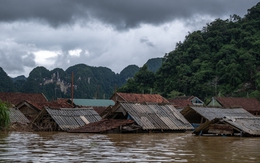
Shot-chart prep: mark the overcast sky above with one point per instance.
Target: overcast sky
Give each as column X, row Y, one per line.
column 108, row 33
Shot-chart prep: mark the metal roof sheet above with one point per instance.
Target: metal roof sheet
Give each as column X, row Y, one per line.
column 93, row 102
column 70, row 118
column 250, row 125
column 247, row 125
column 103, row 125
column 17, row 116
column 212, row 113
column 154, row 116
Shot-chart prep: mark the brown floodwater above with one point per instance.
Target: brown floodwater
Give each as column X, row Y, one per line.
column 155, row 147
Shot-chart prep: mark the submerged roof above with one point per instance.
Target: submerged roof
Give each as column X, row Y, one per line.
column 249, row 104
column 93, row 102
column 40, row 105
column 246, row 125
column 17, row 116
column 103, row 125
column 17, row 97
column 212, row 113
column 70, row 118
column 139, row 98
column 154, row 116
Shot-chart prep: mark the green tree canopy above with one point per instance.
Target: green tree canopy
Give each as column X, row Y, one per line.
column 4, row 115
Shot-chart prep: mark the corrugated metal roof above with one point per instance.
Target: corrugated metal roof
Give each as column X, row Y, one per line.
column 212, row 113
column 153, row 116
column 103, row 125
column 93, row 102
column 70, row 118
column 247, row 125
column 17, row 116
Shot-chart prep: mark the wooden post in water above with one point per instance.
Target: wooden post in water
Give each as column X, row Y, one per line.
column 72, row 86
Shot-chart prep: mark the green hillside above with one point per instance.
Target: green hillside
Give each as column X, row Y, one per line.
column 221, row 59
column 89, row 82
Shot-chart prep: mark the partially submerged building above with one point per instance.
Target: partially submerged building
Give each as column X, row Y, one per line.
column 32, row 108
column 199, row 115
column 252, row 105
column 219, row 121
column 139, row 113
column 18, row 122
column 16, row 116
column 64, row 119
column 108, row 126
column 183, row 101
column 240, row 126
column 16, row 97
column 150, row 116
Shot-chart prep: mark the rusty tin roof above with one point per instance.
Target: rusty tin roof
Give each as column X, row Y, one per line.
column 139, row 98
column 17, row 97
column 40, row 105
column 250, row 104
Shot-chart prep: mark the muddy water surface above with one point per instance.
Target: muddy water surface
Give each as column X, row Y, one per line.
column 166, row 147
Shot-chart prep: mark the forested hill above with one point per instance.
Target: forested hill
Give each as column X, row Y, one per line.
column 222, row 59
column 89, row 82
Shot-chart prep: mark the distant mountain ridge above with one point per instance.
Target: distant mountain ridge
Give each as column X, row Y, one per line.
column 89, row 82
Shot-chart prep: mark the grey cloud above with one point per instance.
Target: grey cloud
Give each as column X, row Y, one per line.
column 29, row 60
column 147, row 42
column 11, row 62
column 120, row 14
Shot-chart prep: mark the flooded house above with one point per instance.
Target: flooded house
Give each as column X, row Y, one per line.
column 18, row 121
column 199, row 115
column 139, row 113
column 16, row 97
column 182, row 101
column 233, row 126
column 209, row 120
column 64, row 119
column 32, row 108
column 150, row 117
column 99, row 105
column 16, row 116
column 252, row 105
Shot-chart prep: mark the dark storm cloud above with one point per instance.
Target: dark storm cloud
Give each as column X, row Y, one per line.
column 118, row 13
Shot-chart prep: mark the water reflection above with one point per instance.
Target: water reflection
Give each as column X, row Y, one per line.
column 167, row 147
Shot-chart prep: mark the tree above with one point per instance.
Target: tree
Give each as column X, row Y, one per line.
column 4, row 115
column 142, row 82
